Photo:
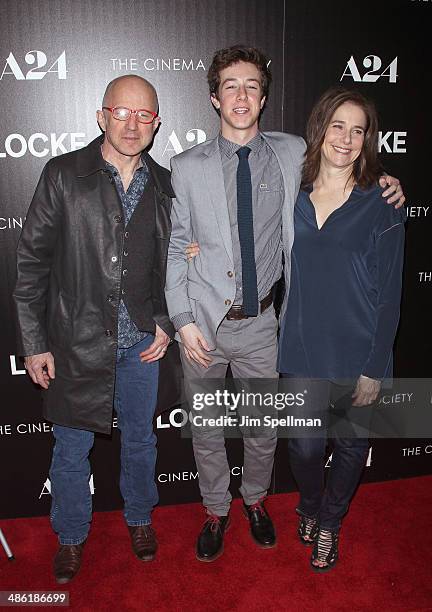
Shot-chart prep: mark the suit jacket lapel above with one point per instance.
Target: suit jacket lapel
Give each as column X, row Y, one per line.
column 216, row 190
column 286, row 165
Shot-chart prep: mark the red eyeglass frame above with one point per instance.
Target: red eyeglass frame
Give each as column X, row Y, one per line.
column 112, row 109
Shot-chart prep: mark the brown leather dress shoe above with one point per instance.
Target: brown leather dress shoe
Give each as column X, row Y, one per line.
column 144, row 543
column 67, row 562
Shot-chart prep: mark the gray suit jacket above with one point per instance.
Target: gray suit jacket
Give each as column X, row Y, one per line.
column 206, row 286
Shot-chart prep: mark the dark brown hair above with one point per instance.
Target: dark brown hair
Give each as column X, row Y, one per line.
column 232, row 55
column 366, row 169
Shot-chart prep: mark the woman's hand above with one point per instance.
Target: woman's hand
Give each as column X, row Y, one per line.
column 192, row 250
column 366, row 391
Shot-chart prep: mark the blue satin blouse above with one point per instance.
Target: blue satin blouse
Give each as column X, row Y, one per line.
column 343, row 306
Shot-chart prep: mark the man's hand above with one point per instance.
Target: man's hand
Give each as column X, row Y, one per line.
column 157, row 348
column 192, row 250
column 194, row 343
column 40, row 368
column 366, row 391
column 394, row 190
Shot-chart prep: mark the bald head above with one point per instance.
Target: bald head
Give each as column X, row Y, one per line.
column 129, row 84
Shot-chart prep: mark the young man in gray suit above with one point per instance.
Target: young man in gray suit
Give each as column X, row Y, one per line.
column 235, row 196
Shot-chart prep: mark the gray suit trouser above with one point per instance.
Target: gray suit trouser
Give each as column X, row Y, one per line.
column 249, row 346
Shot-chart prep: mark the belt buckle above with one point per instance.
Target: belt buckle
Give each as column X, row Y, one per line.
column 235, row 313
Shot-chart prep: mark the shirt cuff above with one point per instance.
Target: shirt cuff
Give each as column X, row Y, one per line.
column 182, row 319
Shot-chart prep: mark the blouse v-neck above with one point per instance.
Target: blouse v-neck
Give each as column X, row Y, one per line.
column 336, row 210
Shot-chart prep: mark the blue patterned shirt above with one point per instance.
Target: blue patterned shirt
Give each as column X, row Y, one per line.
column 128, row 332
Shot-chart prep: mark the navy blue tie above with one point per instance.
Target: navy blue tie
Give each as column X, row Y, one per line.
column 246, row 233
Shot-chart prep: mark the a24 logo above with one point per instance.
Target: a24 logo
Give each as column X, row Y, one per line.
column 371, row 76
column 40, row 60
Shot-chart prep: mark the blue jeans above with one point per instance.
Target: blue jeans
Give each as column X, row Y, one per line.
column 135, row 397
column 329, row 501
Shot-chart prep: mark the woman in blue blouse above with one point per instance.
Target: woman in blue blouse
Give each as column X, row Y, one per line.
column 343, row 306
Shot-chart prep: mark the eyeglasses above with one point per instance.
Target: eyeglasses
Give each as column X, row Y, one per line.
column 121, row 113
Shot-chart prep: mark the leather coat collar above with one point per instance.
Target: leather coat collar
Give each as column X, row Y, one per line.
column 90, row 160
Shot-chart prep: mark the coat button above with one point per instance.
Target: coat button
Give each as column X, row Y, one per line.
column 125, row 252
column 227, row 302
column 114, row 258
column 108, row 332
column 125, row 272
column 126, row 235
column 230, row 274
column 117, row 219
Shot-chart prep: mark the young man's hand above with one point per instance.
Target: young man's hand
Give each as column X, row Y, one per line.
column 394, row 192
column 195, row 344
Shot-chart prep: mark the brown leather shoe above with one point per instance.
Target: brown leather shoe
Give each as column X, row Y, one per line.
column 67, row 562
column 144, row 543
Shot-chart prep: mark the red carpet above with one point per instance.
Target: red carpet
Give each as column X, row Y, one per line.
column 385, row 560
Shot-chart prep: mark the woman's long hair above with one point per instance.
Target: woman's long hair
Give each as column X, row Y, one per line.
column 366, row 168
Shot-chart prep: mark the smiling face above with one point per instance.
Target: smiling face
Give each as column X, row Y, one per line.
column 344, row 137
column 239, row 100
column 127, row 138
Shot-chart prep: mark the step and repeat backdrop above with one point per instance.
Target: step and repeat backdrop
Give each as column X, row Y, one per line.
column 56, row 57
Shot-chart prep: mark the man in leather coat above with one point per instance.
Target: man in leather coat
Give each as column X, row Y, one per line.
column 91, row 309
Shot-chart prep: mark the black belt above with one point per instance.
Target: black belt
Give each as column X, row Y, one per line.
column 236, row 312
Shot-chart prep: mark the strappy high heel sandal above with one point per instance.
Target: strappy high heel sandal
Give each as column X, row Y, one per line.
column 325, row 550
column 307, row 530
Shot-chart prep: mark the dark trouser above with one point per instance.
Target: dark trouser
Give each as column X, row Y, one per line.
column 135, row 398
column 347, row 429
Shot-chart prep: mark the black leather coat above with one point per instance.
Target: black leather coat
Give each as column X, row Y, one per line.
column 69, row 261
